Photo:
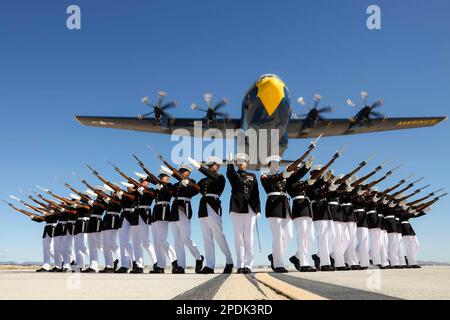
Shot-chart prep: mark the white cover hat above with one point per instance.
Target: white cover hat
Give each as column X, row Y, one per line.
column 275, row 158
column 241, row 157
column 184, row 166
column 212, row 160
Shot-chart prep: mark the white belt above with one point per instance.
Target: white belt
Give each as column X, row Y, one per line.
column 276, row 194
column 113, row 213
column 346, row 204
column 162, row 202
column 96, row 215
column 184, row 199
column 127, row 209
column 300, row 197
column 387, row 217
column 62, row 222
column 380, row 215
column 359, row 210
column 398, row 219
column 334, row 203
column 212, row 195
column 144, row 207
column 84, row 218
column 405, row 222
column 371, row 211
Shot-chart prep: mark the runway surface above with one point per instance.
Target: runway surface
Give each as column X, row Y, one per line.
column 373, row 284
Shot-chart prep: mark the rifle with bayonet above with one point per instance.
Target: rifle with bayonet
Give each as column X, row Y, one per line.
column 81, row 194
column 409, row 186
column 62, row 199
column 99, row 192
column 29, row 214
column 390, row 189
column 369, row 175
column 52, row 203
column 29, row 206
column 413, row 193
column 373, row 183
column 354, row 171
column 429, row 203
column 424, row 198
column 117, row 169
column 151, row 177
column 294, row 165
column 318, row 173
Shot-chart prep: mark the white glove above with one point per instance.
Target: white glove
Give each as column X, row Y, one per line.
column 391, row 204
column 376, row 199
column 360, row 192
column 159, row 186
column 258, row 215
column 185, row 182
column 427, row 210
column 167, row 170
column 349, row 189
column 328, row 175
column 141, row 190
column 194, row 163
column 333, row 187
column 230, row 157
column 74, row 205
column 120, row 194
column 287, row 174
column 107, row 200
column 62, row 209
column 311, row 181
column 309, row 162
column 385, row 201
column 91, row 202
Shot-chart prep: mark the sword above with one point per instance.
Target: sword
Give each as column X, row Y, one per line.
column 257, row 234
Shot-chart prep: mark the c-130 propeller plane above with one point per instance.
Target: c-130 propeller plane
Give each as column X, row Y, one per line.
column 266, row 105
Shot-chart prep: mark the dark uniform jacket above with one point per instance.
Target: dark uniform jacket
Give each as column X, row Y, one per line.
column 111, row 219
column 49, row 229
column 81, row 225
column 213, row 183
column 161, row 211
column 181, row 200
column 277, row 206
column 317, row 194
column 390, row 215
column 359, row 207
column 373, row 220
column 406, row 228
column 347, row 206
column 244, row 191
column 295, row 187
column 95, row 220
column 333, row 198
column 127, row 205
column 145, row 199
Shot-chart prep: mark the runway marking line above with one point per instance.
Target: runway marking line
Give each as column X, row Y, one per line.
column 286, row 289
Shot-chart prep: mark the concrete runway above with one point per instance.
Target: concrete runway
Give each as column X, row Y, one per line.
column 425, row 283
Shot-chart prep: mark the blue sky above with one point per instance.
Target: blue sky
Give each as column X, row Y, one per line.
column 48, row 74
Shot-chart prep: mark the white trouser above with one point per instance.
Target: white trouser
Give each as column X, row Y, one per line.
column 126, row 249
column 400, row 252
column 181, row 230
column 305, row 238
column 95, row 244
column 144, row 233
column 243, row 225
column 282, row 234
column 110, row 247
column 58, row 243
column 162, row 246
column 48, row 251
column 68, row 248
column 384, row 248
column 362, row 249
column 351, row 258
column 375, row 246
column 393, row 249
column 324, row 233
column 138, row 252
column 81, row 249
column 412, row 249
column 212, row 230
column 340, row 243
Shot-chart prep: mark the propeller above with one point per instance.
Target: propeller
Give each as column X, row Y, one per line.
column 159, row 109
column 213, row 113
column 366, row 112
column 315, row 113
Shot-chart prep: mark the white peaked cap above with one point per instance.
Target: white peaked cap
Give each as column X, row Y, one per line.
column 91, row 193
column 141, row 175
column 127, row 184
column 164, row 172
column 340, row 176
column 75, row 196
column 212, row 160
column 353, row 178
column 401, row 195
column 184, row 166
column 275, row 158
column 374, row 189
column 241, row 156
column 316, row 167
column 108, row 188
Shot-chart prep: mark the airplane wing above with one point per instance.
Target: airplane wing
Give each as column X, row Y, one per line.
column 182, row 126
column 337, row 127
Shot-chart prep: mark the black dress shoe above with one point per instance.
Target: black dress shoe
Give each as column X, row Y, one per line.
column 343, row 268
column 295, row 262
column 270, row 257
column 307, row 269
column 356, row 267
column 240, row 270
column 107, row 270
column 42, row 270
column 89, row 270
column 175, row 266
column 332, row 262
column 137, row 270
column 316, row 260
column 416, row 266
column 199, row 264
column 116, row 264
column 73, row 263
column 228, row 268
column 281, row 270
column 207, row 270
column 54, row 269
column 247, row 270
column 178, row 270
column 134, row 265
column 157, row 270
column 326, row 268
column 121, row 270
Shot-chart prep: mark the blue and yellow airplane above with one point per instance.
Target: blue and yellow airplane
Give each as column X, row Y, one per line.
column 266, row 105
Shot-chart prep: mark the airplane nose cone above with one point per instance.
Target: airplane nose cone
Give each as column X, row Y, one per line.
column 270, row 92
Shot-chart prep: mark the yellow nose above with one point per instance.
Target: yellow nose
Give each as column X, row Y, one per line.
column 270, row 92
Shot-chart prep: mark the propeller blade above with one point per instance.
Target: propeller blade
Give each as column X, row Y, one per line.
column 377, row 103
column 350, row 103
column 208, row 98
column 221, row 104
column 145, row 100
column 364, row 96
column 325, row 109
column 161, row 95
column 301, row 101
column 377, row 114
column 169, row 105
